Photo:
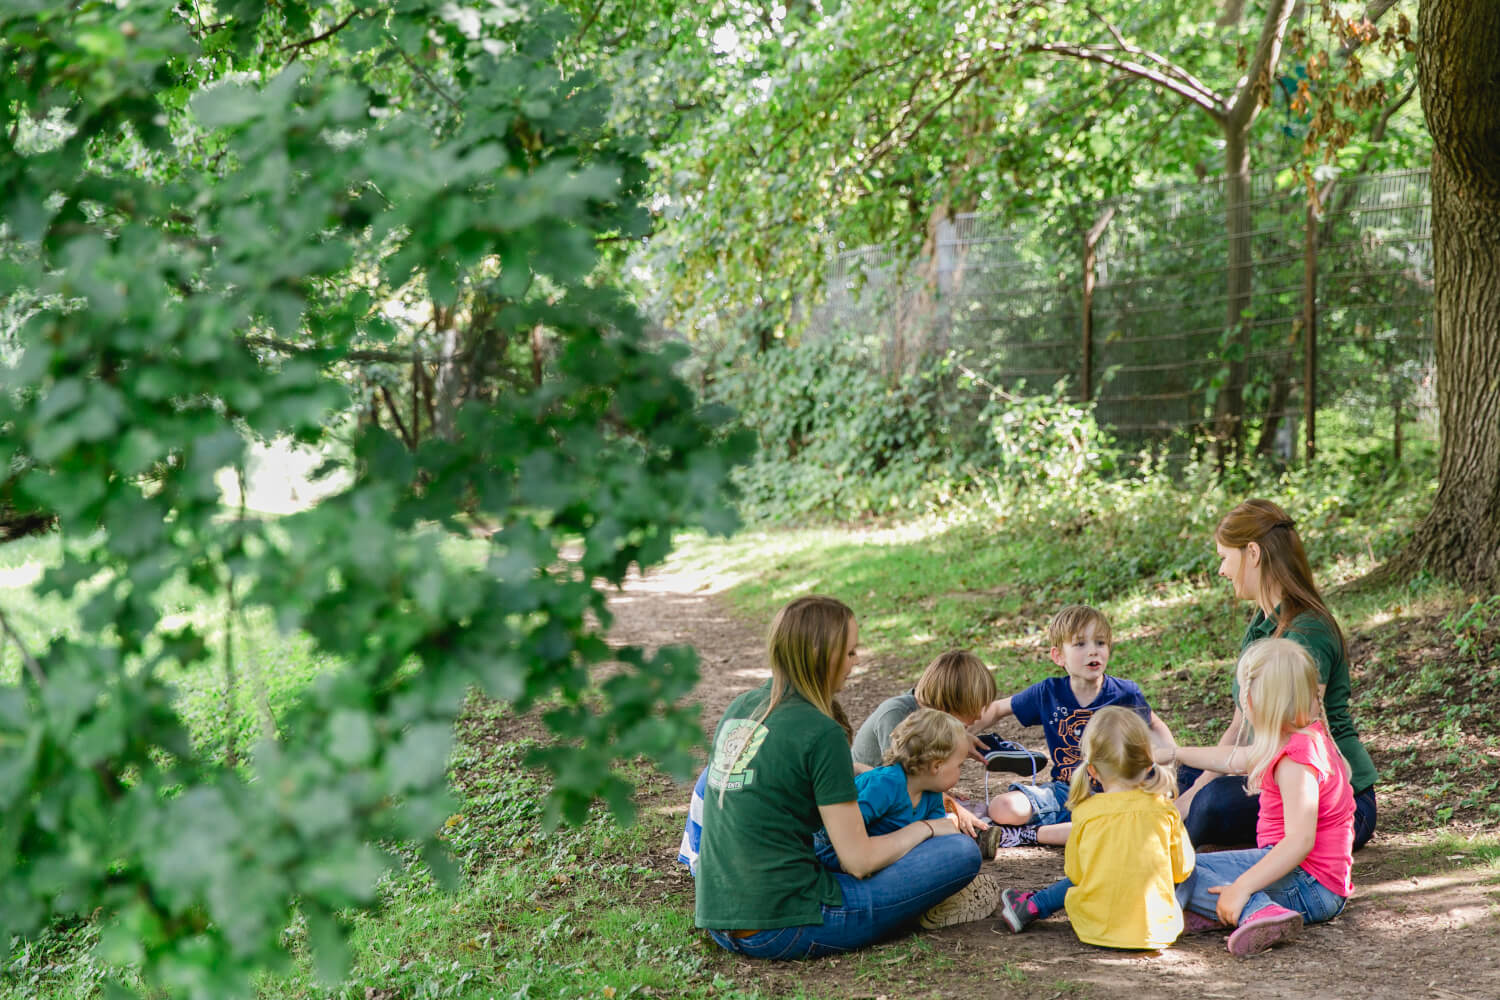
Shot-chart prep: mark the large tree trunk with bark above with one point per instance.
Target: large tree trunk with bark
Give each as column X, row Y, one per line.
column 1456, row 65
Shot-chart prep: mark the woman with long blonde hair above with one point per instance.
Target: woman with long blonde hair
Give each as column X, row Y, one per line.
column 779, row 770
column 1262, row 556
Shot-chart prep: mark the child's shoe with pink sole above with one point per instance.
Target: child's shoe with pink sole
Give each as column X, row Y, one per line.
column 1264, row 928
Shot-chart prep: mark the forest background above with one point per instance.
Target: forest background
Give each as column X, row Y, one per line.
column 540, row 287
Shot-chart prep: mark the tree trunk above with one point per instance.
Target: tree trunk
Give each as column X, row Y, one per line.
column 1460, row 538
column 1229, row 404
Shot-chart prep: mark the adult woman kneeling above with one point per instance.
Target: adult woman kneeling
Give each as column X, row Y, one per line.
column 779, row 771
column 1261, row 554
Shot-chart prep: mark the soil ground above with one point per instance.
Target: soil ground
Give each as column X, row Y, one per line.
column 1419, row 925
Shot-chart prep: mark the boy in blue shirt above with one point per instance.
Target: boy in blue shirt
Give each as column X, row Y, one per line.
column 1038, row 814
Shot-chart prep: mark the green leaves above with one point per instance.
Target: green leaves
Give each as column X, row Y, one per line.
column 265, row 232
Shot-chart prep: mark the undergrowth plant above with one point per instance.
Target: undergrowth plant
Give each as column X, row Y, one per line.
column 840, row 439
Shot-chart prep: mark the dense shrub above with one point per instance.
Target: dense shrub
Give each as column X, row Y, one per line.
column 839, row 439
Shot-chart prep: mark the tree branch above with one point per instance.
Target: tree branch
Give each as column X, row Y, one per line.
column 1166, row 64
column 365, row 356
column 32, row 666
column 1373, row 13
column 411, row 65
column 879, row 151
column 307, row 43
column 1209, row 103
column 1247, row 93
column 395, row 410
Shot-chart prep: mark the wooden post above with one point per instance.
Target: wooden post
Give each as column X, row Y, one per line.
column 1310, row 333
column 1090, row 244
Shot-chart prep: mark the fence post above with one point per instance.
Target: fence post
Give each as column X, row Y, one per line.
column 1310, row 332
column 1090, row 244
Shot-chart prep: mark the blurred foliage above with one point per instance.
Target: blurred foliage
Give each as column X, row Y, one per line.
column 215, row 215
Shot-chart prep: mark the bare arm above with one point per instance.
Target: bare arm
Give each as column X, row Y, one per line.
column 993, row 713
column 1231, row 738
column 1160, row 735
column 862, row 855
column 1299, row 799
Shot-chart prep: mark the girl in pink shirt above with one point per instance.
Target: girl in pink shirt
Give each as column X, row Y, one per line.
column 1299, row 872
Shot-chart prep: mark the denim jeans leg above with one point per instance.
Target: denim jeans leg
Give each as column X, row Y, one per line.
column 1222, row 814
column 889, row 902
column 1364, row 817
column 1216, row 869
column 1049, row 900
column 1298, row 890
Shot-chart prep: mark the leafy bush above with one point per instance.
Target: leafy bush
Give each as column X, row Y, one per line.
column 838, row 439
column 216, row 223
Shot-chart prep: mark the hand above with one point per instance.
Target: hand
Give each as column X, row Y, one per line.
column 1163, row 754
column 1232, row 900
column 977, row 749
column 968, row 824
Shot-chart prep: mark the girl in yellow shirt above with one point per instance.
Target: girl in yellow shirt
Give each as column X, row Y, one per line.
column 1127, row 849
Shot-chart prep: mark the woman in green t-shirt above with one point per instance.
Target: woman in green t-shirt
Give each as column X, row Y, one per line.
column 779, row 771
column 1262, row 556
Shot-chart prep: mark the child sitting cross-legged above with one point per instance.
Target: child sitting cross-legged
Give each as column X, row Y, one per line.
column 1127, row 850
column 1300, row 872
column 1081, row 644
column 956, row 682
column 922, row 762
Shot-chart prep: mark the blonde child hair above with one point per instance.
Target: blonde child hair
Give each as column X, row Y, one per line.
column 1117, row 744
column 926, row 737
column 957, row 682
column 1279, row 695
column 1073, row 621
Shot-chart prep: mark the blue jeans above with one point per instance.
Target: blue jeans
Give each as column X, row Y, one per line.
column 1223, row 815
column 1049, row 900
column 1296, row 890
column 881, row 906
column 1049, row 801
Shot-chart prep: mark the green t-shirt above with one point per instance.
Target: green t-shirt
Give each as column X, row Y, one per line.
column 756, row 866
column 1318, row 636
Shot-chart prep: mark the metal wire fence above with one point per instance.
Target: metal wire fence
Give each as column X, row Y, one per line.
column 1127, row 303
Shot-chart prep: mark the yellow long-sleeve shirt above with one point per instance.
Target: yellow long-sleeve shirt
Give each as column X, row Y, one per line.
column 1125, row 854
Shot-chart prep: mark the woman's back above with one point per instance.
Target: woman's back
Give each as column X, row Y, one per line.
column 756, row 867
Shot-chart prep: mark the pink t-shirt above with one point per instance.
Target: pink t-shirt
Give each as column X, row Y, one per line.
column 1331, row 859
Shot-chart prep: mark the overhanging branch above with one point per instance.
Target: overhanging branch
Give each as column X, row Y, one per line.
column 1208, row 101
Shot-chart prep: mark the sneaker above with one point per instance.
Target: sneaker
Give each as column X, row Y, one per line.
column 1018, row 910
column 1262, row 929
column 1007, row 755
column 1196, row 923
column 996, row 836
column 974, row 901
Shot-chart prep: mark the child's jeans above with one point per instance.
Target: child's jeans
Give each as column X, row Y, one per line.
column 881, row 906
column 1049, row 801
column 1296, row 890
column 1049, row 900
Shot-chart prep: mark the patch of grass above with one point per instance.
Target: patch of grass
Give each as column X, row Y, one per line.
column 989, row 578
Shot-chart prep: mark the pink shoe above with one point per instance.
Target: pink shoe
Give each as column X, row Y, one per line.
column 1262, row 929
column 1196, row 923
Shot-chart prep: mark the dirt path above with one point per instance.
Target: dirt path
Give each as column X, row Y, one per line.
column 1403, row 936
